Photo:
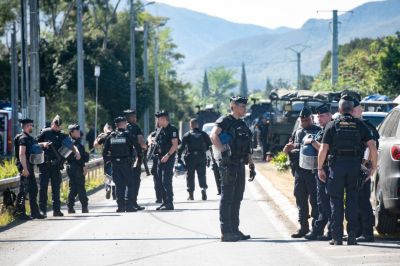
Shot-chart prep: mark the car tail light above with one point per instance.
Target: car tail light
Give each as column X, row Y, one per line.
column 396, row 152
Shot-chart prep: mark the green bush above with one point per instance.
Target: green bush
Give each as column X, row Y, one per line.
column 281, row 161
column 8, row 169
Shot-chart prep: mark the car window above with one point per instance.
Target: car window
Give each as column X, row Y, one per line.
column 390, row 125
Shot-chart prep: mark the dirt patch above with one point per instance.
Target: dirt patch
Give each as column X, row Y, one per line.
column 282, row 181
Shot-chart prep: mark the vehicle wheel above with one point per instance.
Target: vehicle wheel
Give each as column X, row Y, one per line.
column 385, row 222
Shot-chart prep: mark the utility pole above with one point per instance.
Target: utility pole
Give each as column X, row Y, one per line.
column 34, row 64
column 298, row 51
column 24, row 65
column 81, row 86
column 14, row 86
column 133, row 56
column 146, row 76
column 156, row 87
column 335, row 49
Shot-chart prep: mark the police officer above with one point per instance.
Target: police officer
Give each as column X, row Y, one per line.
column 305, row 186
column 50, row 170
column 344, row 139
column 108, row 182
column 158, row 187
column 120, row 147
column 263, row 130
column 168, row 144
column 135, row 130
column 232, row 138
column 366, row 215
column 324, row 209
column 195, row 143
column 76, row 171
column 23, row 144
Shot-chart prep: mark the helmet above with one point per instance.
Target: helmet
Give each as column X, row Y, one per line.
column 66, row 148
column 180, row 169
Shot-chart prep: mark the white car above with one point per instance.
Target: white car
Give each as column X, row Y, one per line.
column 208, row 127
column 375, row 118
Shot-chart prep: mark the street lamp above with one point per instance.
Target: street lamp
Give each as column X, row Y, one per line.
column 97, row 75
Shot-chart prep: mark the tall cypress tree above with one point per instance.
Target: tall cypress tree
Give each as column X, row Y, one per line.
column 243, row 83
column 205, row 91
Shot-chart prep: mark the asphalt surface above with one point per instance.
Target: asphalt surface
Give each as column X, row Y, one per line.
column 188, row 235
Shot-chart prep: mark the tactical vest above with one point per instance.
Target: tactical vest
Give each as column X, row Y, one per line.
column 240, row 143
column 347, row 139
column 29, row 144
column 119, row 145
column 196, row 142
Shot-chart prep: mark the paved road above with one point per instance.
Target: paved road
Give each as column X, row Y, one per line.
column 187, row 236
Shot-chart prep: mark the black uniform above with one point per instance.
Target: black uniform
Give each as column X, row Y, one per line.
column 195, row 143
column 50, row 169
column 119, row 145
column 346, row 137
column 263, row 128
column 233, row 172
column 137, row 170
column 76, row 177
column 27, row 184
column 305, row 186
column 165, row 170
column 158, row 187
column 324, row 207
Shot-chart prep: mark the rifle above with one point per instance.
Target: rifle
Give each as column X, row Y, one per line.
column 215, row 169
column 145, row 163
column 155, row 146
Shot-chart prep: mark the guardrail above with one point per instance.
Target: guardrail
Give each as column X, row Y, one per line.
column 95, row 167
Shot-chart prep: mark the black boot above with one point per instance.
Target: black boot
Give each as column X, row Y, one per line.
column 366, row 238
column 300, row 233
column 243, row 236
column 71, row 210
column 336, row 242
column 230, row 237
column 58, row 213
column 85, row 209
column 190, row 196
column 203, row 194
column 351, row 239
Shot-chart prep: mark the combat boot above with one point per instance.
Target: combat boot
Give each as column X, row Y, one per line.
column 366, row 238
column 336, row 242
column 300, row 233
column 351, row 240
column 243, row 236
column 190, row 196
column 85, row 209
column 230, row 237
column 58, row 213
column 71, row 210
column 203, row 194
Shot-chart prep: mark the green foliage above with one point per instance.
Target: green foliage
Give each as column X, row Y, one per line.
column 8, row 169
column 281, row 161
column 365, row 65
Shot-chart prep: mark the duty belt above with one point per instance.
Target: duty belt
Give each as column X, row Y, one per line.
column 194, row 152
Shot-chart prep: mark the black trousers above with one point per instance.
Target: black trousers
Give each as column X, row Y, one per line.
column 123, row 179
column 305, row 190
column 28, row 186
column 158, row 187
column 196, row 163
column 137, row 171
column 231, row 198
column 49, row 172
column 76, row 185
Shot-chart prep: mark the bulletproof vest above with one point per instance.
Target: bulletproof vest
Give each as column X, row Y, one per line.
column 299, row 135
column 30, row 142
column 240, row 143
column 374, row 133
column 56, row 139
column 196, row 142
column 347, row 138
column 119, row 145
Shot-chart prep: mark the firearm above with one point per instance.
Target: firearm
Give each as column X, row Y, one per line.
column 60, row 160
column 145, row 163
column 155, row 146
column 215, row 169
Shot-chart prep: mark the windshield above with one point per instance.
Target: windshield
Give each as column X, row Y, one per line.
column 375, row 120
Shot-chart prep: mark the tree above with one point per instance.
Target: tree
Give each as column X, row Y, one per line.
column 205, row 92
column 389, row 65
column 268, row 87
column 222, row 83
column 243, row 82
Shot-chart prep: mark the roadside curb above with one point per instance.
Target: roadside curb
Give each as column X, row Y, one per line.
column 288, row 208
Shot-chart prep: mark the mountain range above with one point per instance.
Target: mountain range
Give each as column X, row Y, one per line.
column 208, row 41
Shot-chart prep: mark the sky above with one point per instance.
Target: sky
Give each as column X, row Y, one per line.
column 268, row 13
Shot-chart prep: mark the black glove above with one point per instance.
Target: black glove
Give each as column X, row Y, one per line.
column 252, row 172
column 208, row 161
